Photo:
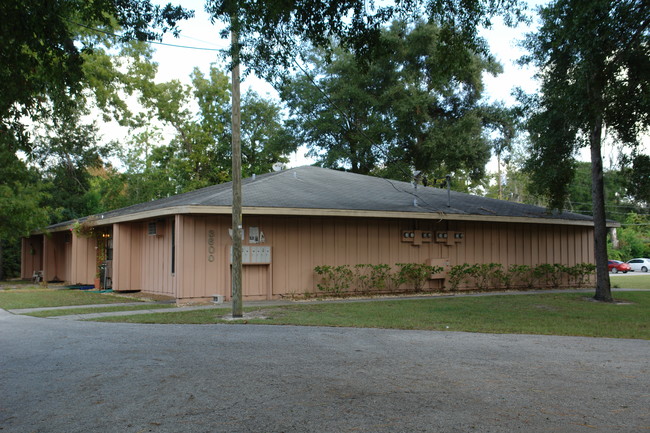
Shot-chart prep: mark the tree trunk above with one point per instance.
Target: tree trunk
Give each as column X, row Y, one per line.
column 500, row 197
column 603, row 289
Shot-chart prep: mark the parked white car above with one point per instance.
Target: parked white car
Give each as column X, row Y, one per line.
column 642, row 265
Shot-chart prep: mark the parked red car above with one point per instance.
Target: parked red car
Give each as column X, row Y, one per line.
column 615, row 266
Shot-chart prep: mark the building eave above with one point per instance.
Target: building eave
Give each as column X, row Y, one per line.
column 100, row 220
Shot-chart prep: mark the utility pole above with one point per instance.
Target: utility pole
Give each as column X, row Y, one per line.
column 236, row 174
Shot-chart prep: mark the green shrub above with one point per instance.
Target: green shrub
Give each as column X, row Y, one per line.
column 361, row 278
column 549, row 274
column 580, row 273
column 334, row 279
column 457, row 274
column 523, row 275
column 484, row 274
column 504, row 277
column 368, row 278
column 379, row 277
column 416, row 274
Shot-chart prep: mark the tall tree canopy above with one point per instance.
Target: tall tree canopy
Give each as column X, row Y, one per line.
column 638, row 178
column 271, row 33
column 593, row 59
column 195, row 150
column 50, row 54
column 43, row 45
column 415, row 104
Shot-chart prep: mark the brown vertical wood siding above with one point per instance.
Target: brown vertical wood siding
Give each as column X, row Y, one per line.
column 57, row 256
column 298, row 244
column 83, row 260
column 31, row 256
column 142, row 261
column 127, row 256
column 155, row 258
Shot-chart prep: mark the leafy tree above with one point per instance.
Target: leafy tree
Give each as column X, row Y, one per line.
column 633, row 238
column 593, row 60
column 415, row 104
column 500, row 127
column 337, row 115
column 198, row 154
column 271, row 34
column 22, row 200
column 147, row 175
column 50, row 55
column 43, row 47
column 638, row 178
column 265, row 138
column 516, row 181
column 112, row 77
column 65, row 150
column 617, row 206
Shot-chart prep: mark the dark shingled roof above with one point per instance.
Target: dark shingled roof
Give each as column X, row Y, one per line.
column 310, row 187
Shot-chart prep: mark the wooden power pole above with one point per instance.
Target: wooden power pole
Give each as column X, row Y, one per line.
column 236, row 177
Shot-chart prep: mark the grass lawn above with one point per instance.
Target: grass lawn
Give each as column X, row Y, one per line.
column 36, row 297
column 548, row 314
column 89, row 310
column 630, row 281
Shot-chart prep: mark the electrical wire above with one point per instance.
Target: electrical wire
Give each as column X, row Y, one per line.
column 328, row 100
column 614, row 205
column 148, row 42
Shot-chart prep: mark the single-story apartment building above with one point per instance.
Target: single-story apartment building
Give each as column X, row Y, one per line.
column 293, row 221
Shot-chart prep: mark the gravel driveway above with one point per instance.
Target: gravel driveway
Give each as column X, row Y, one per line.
column 65, row 376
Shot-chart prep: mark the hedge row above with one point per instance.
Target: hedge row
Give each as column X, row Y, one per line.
column 494, row 275
column 367, row 279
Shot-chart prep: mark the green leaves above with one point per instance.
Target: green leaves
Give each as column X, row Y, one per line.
column 367, row 278
column 413, row 105
column 589, row 56
column 273, row 34
column 45, row 46
column 21, row 198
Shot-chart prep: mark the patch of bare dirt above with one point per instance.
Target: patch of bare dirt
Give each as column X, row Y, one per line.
column 614, row 302
column 147, row 297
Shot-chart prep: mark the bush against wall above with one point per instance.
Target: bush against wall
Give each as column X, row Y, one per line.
column 412, row 277
column 334, row 279
column 367, row 279
column 493, row 275
column 415, row 275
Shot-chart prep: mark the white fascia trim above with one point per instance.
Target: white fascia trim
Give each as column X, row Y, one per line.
column 279, row 211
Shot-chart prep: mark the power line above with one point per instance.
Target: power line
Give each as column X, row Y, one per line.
column 613, row 205
column 149, row 42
